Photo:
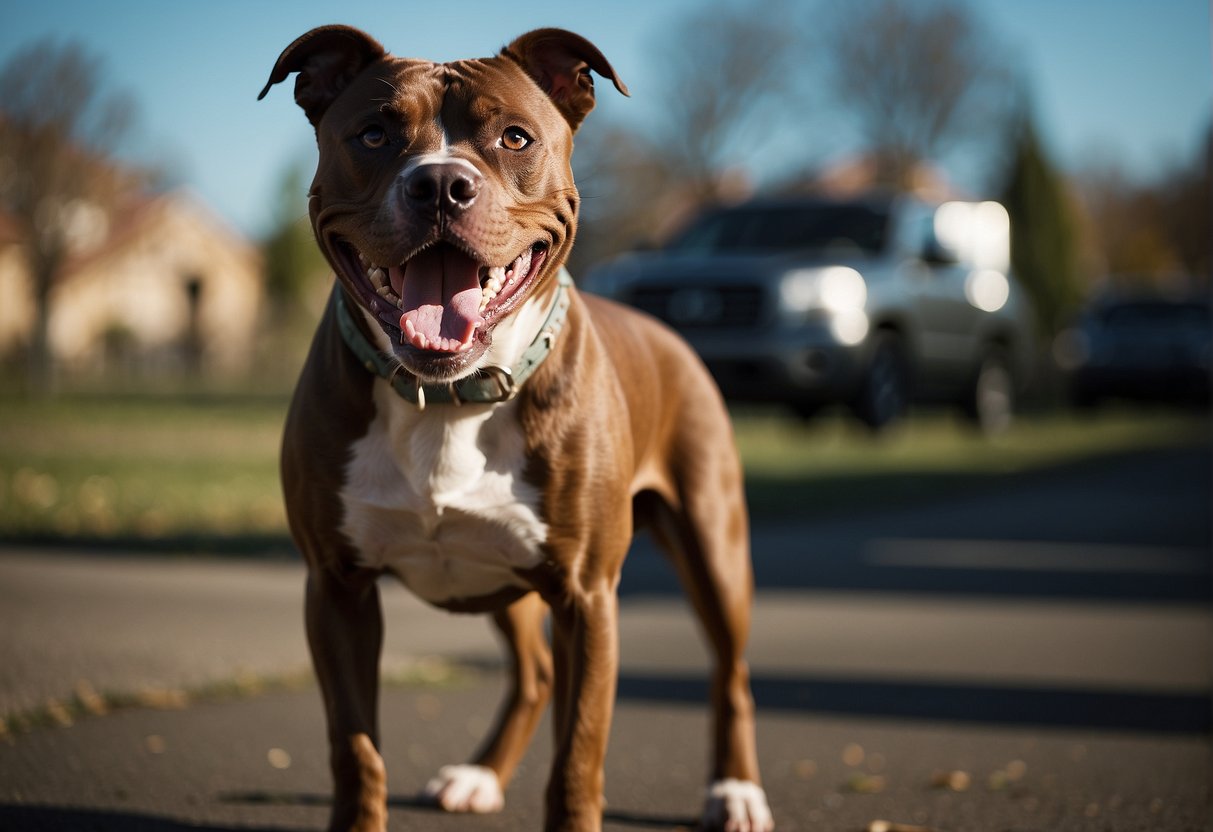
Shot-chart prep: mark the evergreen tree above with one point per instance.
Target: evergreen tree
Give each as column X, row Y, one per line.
column 293, row 262
column 1044, row 232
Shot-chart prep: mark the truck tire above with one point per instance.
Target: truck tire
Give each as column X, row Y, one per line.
column 884, row 391
column 989, row 399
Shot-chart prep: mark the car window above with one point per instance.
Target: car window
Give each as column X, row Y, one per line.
column 1157, row 314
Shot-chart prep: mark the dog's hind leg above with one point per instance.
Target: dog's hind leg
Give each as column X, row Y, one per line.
column 479, row 786
column 707, row 538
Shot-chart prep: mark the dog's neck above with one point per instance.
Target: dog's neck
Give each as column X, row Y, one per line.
column 515, row 334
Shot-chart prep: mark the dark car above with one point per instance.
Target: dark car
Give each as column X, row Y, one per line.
column 1140, row 347
column 869, row 302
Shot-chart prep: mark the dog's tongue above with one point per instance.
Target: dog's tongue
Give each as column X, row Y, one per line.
column 440, row 291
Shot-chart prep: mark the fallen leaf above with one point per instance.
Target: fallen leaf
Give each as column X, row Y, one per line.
column 957, row 781
column 866, row 783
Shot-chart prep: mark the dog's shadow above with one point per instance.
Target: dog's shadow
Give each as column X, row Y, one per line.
column 622, row 817
column 262, row 798
column 646, row 819
column 14, row 817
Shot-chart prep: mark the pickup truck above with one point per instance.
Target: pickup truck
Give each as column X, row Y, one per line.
column 874, row 302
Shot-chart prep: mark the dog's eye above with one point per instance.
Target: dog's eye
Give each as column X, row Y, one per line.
column 373, row 137
column 515, row 138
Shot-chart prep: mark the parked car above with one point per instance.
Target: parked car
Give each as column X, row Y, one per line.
column 1140, row 346
column 872, row 302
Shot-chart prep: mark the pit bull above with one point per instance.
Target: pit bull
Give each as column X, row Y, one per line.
column 470, row 423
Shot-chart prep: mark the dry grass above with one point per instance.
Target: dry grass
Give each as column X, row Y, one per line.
column 148, row 467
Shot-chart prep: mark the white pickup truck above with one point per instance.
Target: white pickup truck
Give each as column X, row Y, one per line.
column 874, row 302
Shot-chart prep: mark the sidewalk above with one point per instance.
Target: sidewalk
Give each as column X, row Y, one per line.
column 127, row 624
column 260, row 764
column 866, row 700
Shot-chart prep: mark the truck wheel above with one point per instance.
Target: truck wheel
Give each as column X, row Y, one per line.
column 989, row 401
column 807, row 411
column 884, row 393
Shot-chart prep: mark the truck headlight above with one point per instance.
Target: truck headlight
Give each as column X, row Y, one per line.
column 837, row 290
column 798, row 291
column 842, row 289
column 849, row 326
column 834, row 289
column 987, row 289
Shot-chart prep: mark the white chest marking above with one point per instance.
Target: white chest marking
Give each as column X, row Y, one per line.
column 437, row 497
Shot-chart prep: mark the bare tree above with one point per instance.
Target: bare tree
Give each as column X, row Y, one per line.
column 626, row 188
column 917, row 76
column 725, row 68
column 1152, row 231
column 1186, row 211
column 1125, row 237
column 58, row 129
column 721, row 70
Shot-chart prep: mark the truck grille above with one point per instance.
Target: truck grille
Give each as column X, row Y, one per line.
column 688, row 307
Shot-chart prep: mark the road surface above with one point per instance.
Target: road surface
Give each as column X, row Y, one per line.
column 1035, row 656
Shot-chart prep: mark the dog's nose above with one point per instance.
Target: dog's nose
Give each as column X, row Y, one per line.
column 447, row 187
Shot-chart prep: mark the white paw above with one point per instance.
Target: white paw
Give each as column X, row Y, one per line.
column 736, row 806
column 466, row 788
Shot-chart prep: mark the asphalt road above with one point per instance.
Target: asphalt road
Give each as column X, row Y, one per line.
column 1047, row 640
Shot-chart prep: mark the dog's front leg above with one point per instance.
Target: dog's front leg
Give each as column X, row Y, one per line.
column 479, row 787
column 345, row 634
column 586, row 655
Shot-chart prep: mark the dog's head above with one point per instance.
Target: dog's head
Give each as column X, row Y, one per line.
column 444, row 196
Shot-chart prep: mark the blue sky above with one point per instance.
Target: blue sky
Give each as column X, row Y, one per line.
column 1126, row 80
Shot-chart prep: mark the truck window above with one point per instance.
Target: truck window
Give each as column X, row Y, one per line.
column 787, row 228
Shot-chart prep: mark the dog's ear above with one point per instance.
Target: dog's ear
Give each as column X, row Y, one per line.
column 560, row 62
column 327, row 59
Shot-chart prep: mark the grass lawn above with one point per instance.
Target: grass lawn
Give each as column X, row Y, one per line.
column 177, row 468
column 832, row 464
column 140, row 467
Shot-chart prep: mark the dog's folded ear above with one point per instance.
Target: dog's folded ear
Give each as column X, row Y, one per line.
column 327, row 59
column 560, row 62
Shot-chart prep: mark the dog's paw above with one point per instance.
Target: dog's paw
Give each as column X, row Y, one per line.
column 736, row 806
column 466, row 788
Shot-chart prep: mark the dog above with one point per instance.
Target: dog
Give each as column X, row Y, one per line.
column 470, row 423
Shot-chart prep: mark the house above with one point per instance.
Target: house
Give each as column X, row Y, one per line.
column 163, row 286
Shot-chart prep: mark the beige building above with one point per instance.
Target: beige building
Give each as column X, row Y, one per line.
column 165, row 286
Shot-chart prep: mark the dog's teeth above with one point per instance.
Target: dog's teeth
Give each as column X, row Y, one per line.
column 520, row 267
column 493, row 281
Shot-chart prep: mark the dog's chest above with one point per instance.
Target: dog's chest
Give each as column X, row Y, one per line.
column 438, row 498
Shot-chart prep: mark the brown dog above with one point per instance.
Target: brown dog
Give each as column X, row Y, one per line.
column 468, row 422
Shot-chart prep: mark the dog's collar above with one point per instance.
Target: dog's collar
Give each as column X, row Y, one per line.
column 489, row 385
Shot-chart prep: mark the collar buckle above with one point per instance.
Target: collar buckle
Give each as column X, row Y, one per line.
column 503, row 378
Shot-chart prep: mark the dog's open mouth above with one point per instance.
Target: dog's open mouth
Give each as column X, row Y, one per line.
column 441, row 299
